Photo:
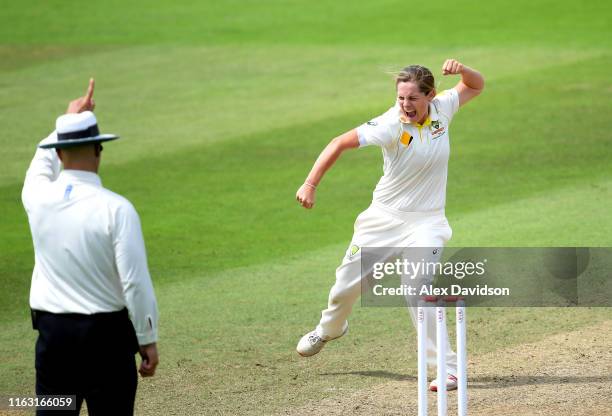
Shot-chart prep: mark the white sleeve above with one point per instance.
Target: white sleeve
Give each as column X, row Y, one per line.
column 131, row 261
column 44, row 169
column 448, row 102
column 378, row 131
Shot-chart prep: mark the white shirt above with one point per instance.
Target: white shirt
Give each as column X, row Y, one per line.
column 415, row 156
column 89, row 251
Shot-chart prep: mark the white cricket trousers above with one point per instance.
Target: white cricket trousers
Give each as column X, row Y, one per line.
column 381, row 226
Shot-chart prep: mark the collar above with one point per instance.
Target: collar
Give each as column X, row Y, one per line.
column 81, row 176
column 432, row 116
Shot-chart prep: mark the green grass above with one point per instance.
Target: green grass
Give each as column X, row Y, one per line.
column 223, row 108
column 466, row 24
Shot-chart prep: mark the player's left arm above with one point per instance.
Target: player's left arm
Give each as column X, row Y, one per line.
column 471, row 84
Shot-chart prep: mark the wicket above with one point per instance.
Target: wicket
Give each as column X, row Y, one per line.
column 441, row 355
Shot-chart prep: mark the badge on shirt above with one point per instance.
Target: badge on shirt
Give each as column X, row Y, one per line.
column 437, row 130
column 67, row 192
column 353, row 249
column 406, row 139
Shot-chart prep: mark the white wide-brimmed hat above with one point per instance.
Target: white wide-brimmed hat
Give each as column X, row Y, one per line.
column 77, row 130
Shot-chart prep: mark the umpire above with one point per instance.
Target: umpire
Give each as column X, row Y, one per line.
column 90, row 273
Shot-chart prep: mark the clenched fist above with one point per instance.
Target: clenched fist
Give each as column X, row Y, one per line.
column 306, row 195
column 452, row 67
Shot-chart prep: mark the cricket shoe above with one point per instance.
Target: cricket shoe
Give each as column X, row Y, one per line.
column 451, row 383
column 312, row 343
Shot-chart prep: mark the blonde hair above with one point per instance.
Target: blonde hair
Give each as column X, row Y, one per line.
column 418, row 74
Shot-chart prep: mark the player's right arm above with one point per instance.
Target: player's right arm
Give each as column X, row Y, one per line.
column 44, row 169
column 378, row 131
column 45, row 166
column 306, row 194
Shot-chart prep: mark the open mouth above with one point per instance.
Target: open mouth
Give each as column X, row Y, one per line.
column 411, row 114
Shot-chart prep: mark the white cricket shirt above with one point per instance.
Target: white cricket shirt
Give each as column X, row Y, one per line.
column 415, row 156
column 89, row 251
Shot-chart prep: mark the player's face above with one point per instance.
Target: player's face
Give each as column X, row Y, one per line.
column 413, row 102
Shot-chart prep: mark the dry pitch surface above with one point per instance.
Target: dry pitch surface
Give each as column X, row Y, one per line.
column 564, row 374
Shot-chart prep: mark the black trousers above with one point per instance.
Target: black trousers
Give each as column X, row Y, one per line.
column 90, row 356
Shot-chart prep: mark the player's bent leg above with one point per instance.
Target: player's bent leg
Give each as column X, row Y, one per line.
column 342, row 296
column 372, row 229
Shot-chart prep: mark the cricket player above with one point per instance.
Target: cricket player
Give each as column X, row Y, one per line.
column 407, row 209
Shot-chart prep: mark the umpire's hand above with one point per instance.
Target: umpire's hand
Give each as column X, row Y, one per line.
column 150, row 359
column 84, row 103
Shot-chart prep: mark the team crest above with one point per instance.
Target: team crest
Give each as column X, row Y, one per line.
column 437, row 129
column 354, row 249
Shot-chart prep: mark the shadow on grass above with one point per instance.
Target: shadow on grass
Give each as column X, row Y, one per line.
column 375, row 373
column 487, row 382
column 493, row 382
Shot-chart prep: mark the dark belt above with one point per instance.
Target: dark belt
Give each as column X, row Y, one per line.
column 95, row 317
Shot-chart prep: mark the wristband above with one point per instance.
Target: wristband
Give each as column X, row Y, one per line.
column 311, row 185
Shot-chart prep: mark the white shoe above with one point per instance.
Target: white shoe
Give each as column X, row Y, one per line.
column 311, row 343
column 451, row 383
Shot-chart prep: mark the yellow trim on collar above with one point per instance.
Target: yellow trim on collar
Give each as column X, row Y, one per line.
column 427, row 122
